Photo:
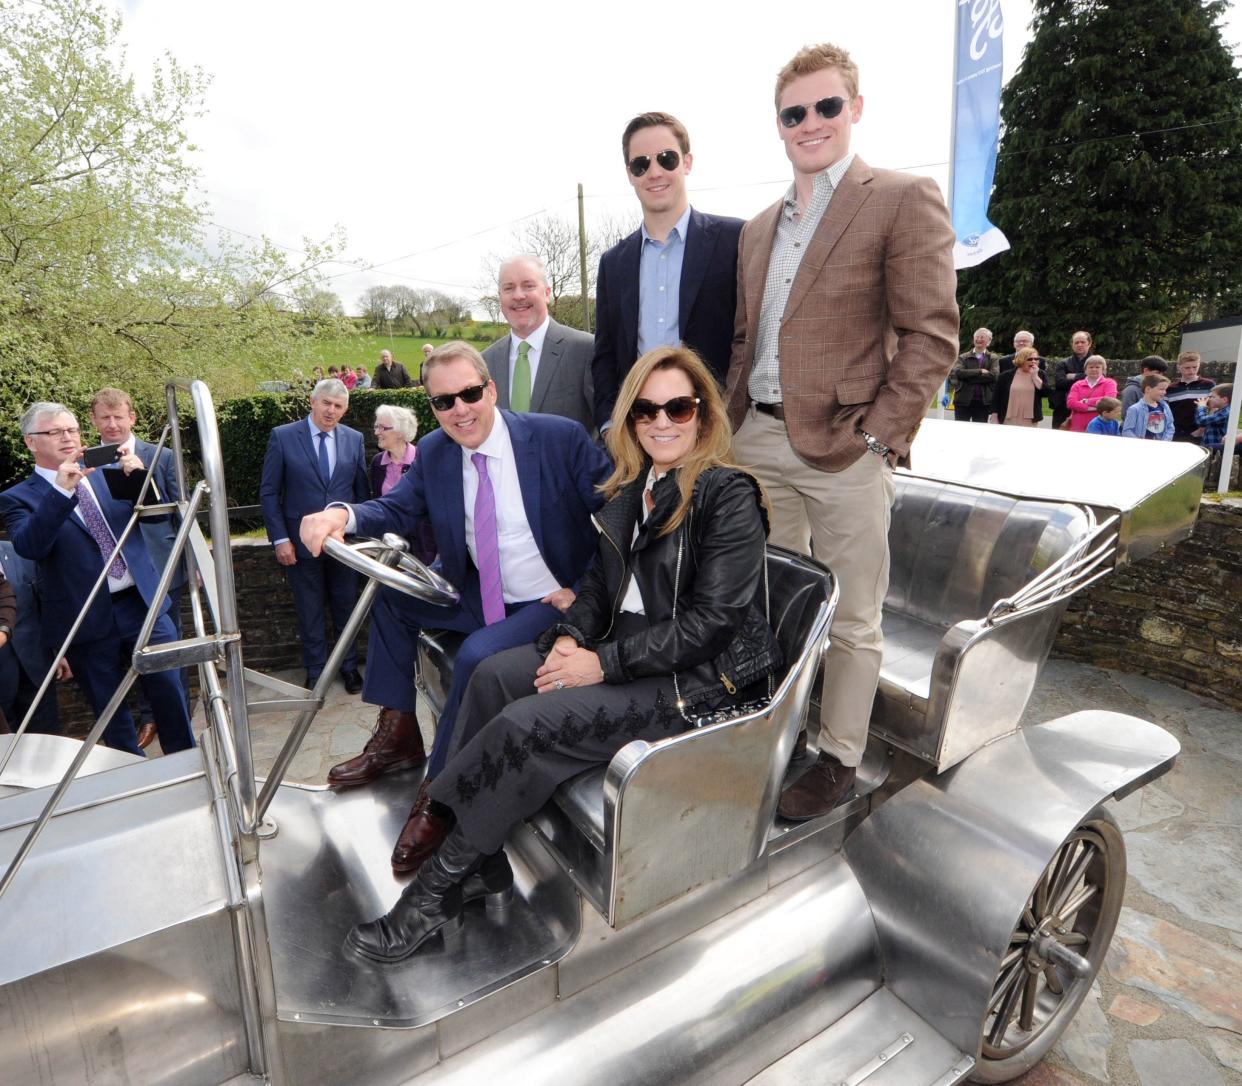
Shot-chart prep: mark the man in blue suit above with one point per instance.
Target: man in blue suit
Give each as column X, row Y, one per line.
column 113, row 416
column 672, row 281
column 64, row 518
column 309, row 464
column 24, row 659
column 510, row 498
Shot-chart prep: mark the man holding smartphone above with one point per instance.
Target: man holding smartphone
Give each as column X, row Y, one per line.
column 64, row 518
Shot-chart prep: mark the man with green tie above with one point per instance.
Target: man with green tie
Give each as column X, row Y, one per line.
column 541, row 365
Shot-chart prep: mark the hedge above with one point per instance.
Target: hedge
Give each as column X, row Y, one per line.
column 246, row 424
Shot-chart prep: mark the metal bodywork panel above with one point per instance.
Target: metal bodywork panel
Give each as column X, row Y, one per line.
column 1154, row 486
column 42, row 759
column 948, row 863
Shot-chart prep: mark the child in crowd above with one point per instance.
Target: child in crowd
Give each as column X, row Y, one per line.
column 1212, row 413
column 1107, row 417
column 1150, row 418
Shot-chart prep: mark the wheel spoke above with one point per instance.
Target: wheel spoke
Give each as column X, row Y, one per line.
column 1074, row 938
column 1005, row 985
column 1053, row 979
column 1072, row 880
column 1005, row 1013
column 1029, row 991
column 1075, row 903
column 1059, row 866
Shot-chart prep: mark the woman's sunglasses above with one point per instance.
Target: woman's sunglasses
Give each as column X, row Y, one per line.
column 792, row 116
column 473, row 394
column 678, row 409
column 640, row 164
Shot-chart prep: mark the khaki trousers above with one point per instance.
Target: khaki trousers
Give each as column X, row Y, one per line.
column 842, row 518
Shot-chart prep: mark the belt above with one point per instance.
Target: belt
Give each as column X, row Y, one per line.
column 776, row 410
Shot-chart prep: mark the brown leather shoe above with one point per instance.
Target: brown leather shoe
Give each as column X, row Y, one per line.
column 420, row 836
column 395, row 744
column 146, row 735
column 818, row 790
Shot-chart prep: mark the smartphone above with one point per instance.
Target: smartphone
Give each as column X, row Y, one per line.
column 100, row 455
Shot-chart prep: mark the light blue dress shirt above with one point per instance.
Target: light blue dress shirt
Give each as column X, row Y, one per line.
column 659, row 287
column 331, row 443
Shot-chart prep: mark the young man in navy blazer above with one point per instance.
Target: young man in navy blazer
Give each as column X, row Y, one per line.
column 64, row 518
column 309, row 464
column 672, row 281
column 544, row 472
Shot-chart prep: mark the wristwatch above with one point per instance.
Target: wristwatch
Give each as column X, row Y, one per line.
column 6, row 630
column 876, row 445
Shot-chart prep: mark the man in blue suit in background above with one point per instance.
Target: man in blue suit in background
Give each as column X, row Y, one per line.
column 64, row 518
column 510, row 498
column 309, row 464
column 24, row 659
column 672, row 281
column 113, row 416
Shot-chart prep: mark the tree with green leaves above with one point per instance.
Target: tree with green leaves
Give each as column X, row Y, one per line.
column 1119, row 179
column 106, row 273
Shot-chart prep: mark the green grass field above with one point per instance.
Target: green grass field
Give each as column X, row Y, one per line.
column 365, row 349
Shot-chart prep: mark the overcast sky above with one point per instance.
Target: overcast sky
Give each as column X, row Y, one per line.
column 427, row 130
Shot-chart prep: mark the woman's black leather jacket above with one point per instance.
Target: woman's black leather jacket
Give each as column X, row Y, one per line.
column 720, row 602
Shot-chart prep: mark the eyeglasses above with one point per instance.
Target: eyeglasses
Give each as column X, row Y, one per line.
column 380, row 429
column 792, row 116
column 473, row 394
column 678, row 409
column 59, row 432
column 640, row 164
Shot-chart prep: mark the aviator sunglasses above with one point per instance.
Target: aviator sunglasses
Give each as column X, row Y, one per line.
column 473, row 394
column 640, row 164
column 792, row 116
column 678, row 409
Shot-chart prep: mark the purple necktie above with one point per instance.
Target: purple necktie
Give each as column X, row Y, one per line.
column 486, row 545
column 100, row 532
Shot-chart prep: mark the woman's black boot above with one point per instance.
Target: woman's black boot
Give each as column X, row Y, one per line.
column 430, row 904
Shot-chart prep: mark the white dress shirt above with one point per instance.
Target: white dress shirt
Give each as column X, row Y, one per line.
column 535, row 339
column 115, row 584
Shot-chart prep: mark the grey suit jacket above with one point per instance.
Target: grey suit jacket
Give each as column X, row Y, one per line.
column 563, row 384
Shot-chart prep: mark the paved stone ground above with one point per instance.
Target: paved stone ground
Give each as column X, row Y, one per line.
column 1167, row 1008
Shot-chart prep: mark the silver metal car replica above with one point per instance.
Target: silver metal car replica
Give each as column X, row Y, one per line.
column 176, row 922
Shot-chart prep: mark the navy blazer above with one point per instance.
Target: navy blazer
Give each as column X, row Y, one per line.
column 706, row 302
column 560, row 468
column 291, row 486
column 44, row 529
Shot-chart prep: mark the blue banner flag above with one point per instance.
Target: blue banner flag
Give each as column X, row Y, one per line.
column 976, row 123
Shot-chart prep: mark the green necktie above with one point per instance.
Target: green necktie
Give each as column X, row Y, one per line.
column 519, row 394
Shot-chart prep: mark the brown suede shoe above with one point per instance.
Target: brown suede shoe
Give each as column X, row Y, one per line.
column 799, row 750
column 147, row 734
column 420, row 836
column 395, row 744
column 818, row 790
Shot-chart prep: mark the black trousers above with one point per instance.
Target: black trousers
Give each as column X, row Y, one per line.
column 971, row 412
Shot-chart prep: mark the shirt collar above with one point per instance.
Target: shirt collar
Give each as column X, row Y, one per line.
column 314, row 430
column 824, row 183
column 679, row 228
column 406, row 458
column 46, row 474
column 497, row 446
column 535, row 339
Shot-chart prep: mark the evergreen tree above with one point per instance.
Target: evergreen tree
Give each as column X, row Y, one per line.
column 1119, row 179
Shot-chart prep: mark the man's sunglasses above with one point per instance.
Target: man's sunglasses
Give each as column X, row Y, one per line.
column 473, row 394
column 678, row 409
column 640, row 164
column 792, row 116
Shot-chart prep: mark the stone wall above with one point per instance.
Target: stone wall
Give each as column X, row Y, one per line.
column 1176, row 617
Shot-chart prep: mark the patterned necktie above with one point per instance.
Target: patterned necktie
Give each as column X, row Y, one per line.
column 100, row 532
column 324, row 469
column 486, row 545
column 519, row 394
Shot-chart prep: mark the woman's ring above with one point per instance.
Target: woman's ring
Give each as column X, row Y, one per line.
column 559, row 684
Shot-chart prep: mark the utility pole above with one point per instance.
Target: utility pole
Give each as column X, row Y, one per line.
column 582, row 250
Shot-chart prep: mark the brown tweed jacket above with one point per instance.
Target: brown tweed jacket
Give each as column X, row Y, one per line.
column 871, row 326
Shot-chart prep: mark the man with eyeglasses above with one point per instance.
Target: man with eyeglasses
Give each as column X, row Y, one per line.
column 509, row 498
column 541, row 365
column 64, row 518
column 847, row 324
column 672, row 281
column 308, row 464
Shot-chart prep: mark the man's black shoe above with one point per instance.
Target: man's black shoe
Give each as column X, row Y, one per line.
column 352, row 681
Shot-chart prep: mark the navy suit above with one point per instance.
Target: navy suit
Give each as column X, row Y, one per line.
column 24, row 660
column 45, row 529
column 291, row 488
column 559, row 468
column 707, row 298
